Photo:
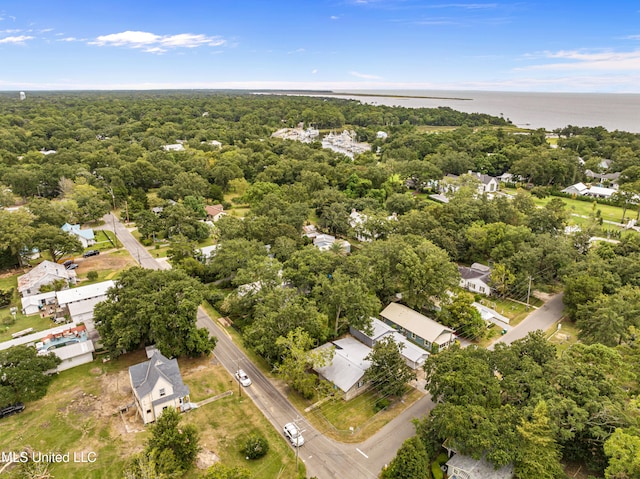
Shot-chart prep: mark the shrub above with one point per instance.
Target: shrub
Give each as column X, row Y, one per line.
column 92, row 275
column 255, row 447
column 382, row 404
column 5, row 297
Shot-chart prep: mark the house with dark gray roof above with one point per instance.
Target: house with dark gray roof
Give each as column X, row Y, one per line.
column 157, row 384
column 475, row 278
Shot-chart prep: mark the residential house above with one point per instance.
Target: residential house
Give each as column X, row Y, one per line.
column 486, row 184
column 71, row 345
column 382, row 135
column 578, row 189
column 324, row 242
column 601, row 192
column 206, row 253
column 347, row 368
column 414, row 356
column 157, row 384
column 475, row 278
column 420, row 329
column 86, row 236
column 39, row 303
column 466, row 467
column 80, row 302
column 310, row 231
column 74, row 355
column 610, row 178
column 45, row 273
column 214, row 212
column 173, row 147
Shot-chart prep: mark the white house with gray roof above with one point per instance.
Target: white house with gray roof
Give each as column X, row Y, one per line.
column 475, row 278
column 157, row 384
column 45, row 273
column 418, row 328
column 347, row 367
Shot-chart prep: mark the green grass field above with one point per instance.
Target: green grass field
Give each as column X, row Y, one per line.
column 21, row 323
column 80, row 414
column 584, row 208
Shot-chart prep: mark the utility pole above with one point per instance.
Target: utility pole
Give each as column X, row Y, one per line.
column 529, row 293
column 300, row 431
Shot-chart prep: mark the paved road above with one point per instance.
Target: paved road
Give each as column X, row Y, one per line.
column 323, row 457
column 542, row 318
column 137, row 251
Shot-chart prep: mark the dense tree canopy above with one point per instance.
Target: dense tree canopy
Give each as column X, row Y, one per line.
column 153, row 307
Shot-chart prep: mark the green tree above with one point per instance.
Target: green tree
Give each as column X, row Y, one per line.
column 388, row 373
column 297, row 360
column 179, row 441
column 623, row 450
column 540, row 454
column 279, row 312
column 16, row 232
column 56, row 242
column 153, row 307
column 347, row 300
column 411, row 462
column 23, row 374
column 220, row 471
column 459, row 314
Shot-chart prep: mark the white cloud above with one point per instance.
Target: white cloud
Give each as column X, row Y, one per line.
column 366, row 76
column 334, row 17
column 17, row 40
column 153, row 43
column 11, row 30
column 298, row 50
column 580, row 60
column 68, row 39
column 314, row 71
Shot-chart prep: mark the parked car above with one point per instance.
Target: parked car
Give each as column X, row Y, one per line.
column 91, row 252
column 242, row 377
column 72, row 266
column 12, row 409
column 67, row 263
column 293, row 433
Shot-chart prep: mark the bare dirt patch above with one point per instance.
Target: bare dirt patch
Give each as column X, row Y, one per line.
column 104, row 262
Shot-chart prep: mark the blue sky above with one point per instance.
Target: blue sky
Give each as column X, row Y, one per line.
column 582, row 46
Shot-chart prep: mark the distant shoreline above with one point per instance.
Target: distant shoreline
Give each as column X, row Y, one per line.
column 332, row 93
column 402, row 96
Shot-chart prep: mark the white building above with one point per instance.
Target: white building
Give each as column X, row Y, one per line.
column 86, row 236
column 475, row 278
column 45, row 273
column 347, row 367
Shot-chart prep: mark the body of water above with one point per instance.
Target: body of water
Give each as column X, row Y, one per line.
column 526, row 109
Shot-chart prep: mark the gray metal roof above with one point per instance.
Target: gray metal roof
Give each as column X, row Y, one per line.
column 479, row 468
column 415, row 322
column 348, row 364
column 144, row 376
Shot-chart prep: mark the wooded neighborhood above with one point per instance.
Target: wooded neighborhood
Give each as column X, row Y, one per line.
column 354, row 282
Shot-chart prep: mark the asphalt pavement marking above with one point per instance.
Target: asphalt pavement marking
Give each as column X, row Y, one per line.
column 362, row 453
